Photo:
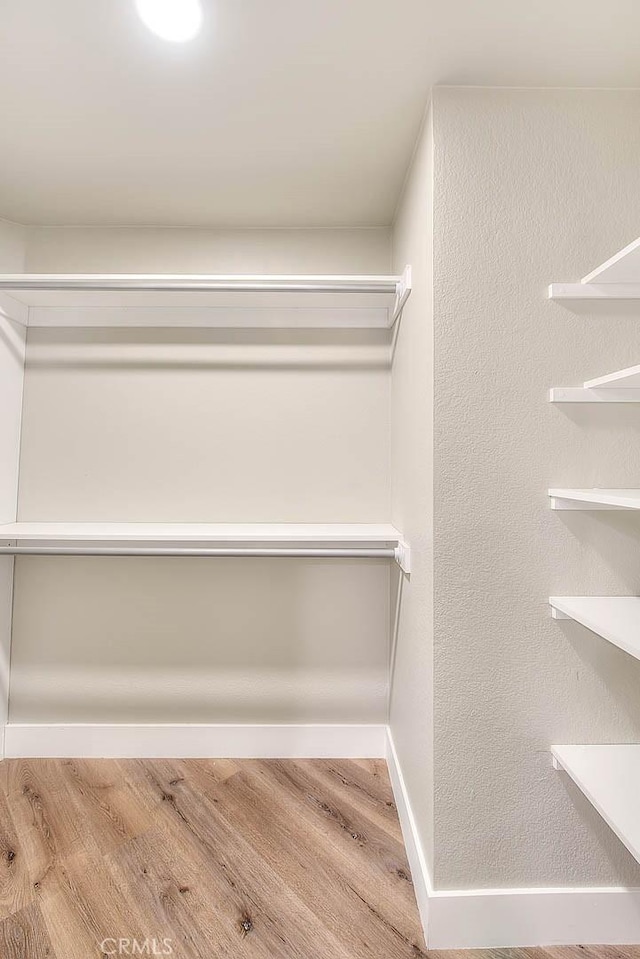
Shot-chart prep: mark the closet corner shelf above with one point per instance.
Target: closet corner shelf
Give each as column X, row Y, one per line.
column 200, row 300
column 618, row 278
column 614, row 618
column 595, row 499
column 357, row 540
column 609, row 777
column 623, row 386
column 594, row 291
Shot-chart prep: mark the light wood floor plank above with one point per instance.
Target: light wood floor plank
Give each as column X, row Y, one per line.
column 44, row 817
column 16, row 888
column 370, row 860
column 108, row 810
column 87, row 907
column 24, row 936
column 301, row 863
column 273, row 914
column 368, row 792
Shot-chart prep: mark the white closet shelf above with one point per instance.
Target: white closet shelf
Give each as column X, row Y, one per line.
column 609, row 776
column 206, row 539
column 618, row 278
column 200, row 300
column 580, row 394
column 614, row 618
column 592, row 499
column 594, row 291
column 623, row 386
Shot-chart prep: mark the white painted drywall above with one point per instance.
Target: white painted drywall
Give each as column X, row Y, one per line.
column 238, row 641
column 530, row 187
column 197, row 426
column 132, row 249
column 411, row 707
column 12, row 353
column 13, row 247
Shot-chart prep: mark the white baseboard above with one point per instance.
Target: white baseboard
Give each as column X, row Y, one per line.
column 413, row 845
column 490, row 918
column 194, row 740
column 503, row 918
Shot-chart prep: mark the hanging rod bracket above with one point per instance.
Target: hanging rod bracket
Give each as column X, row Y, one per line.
column 403, row 291
column 402, row 556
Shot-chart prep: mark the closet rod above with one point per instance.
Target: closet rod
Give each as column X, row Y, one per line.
column 204, row 283
column 382, row 553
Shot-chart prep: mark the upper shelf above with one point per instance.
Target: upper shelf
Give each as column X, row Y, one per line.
column 623, row 386
column 183, row 300
column 592, row 499
column 618, row 278
column 609, row 776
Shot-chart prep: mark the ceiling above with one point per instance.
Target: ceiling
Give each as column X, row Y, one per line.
column 281, row 112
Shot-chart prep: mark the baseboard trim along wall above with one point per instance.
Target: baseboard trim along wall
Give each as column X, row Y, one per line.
column 494, row 918
column 413, row 845
column 205, row 741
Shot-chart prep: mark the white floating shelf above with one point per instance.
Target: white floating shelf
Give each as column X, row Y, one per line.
column 593, row 499
column 184, row 300
column 622, row 386
column 614, row 618
column 594, row 291
column 609, row 776
column 206, row 539
column 580, row 394
column 618, row 278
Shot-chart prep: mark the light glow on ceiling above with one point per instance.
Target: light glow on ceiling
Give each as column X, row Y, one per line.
column 173, row 20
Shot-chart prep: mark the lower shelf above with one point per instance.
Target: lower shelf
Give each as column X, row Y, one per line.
column 357, row 540
column 615, row 618
column 609, row 776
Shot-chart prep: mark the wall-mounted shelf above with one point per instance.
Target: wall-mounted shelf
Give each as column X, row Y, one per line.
column 623, row 386
column 609, row 776
column 595, row 499
column 614, row 618
column 357, row 540
column 618, row 278
column 594, row 291
column 182, row 300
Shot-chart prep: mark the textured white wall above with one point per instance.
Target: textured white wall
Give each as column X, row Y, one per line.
column 530, row 187
column 204, row 426
column 411, row 713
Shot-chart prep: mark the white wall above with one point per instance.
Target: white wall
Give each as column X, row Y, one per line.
column 203, row 426
column 133, row 249
column 411, row 712
column 12, row 351
column 13, row 247
column 531, row 186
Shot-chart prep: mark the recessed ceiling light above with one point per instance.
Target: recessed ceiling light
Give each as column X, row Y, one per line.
column 174, row 20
